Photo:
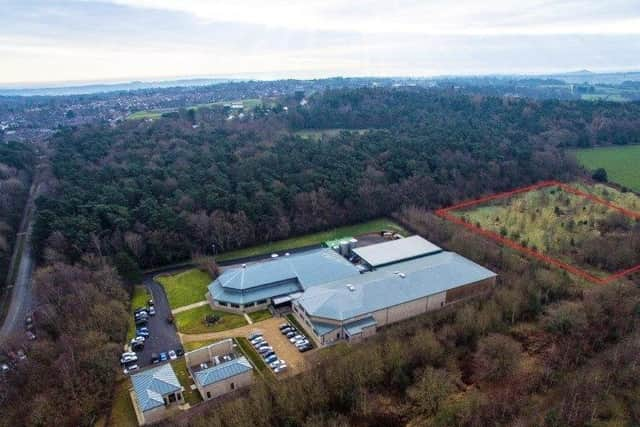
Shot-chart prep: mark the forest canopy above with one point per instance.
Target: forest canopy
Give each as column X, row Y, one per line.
column 160, row 191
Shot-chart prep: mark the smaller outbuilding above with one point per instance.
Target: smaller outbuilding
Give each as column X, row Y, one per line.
column 154, row 392
column 218, row 369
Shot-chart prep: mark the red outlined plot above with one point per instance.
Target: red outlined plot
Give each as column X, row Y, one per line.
column 445, row 213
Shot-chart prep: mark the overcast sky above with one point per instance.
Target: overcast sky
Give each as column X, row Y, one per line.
column 85, row 40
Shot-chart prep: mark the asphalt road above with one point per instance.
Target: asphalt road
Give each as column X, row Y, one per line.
column 21, row 295
column 163, row 336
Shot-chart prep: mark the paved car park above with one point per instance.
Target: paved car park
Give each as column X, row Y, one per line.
column 285, row 350
column 163, row 336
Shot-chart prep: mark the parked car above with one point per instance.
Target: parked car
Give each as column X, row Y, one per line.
column 254, row 335
column 271, row 358
column 291, row 334
column 256, row 340
column 141, row 321
column 275, row 364
column 4, row 368
column 301, row 343
column 30, row 336
column 179, row 352
column 263, row 350
column 286, row 330
column 164, row 356
column 172, row 355
column 150, row 303
column 28, row 322
column 262, row 344
column 281, row 368
column 296, row 338
column 155, row 357
column 128, row 359
column 138, row 311
column 305, row 348
column 130, row 369
column 268, row 354
column 284, row 325
column 137, row 346
column 152, row 311
column 137, row 339
column 142, row 333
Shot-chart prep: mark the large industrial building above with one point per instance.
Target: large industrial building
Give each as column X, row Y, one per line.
column 346, row 299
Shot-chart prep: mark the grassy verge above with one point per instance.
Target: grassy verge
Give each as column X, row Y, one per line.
column 191, row 397
column 621, row 163
column 298, row 326
column 186, row 287
column 314, row 239
column 194, row 345
column 257, row 316
column 139, row 299
column 255, row 358
column 122, row 412
column 192, row 321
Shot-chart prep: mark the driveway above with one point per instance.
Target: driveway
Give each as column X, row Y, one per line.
column 164, row 336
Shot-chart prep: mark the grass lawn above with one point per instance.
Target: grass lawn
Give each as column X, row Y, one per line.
column 621, row 163
column 192, row 321
column 255, row 358
column 122, row 412
column 314, row 239
column 186, row 287
column 191, row 397
column 148, row 114
column 139, row 299
column 257, row 316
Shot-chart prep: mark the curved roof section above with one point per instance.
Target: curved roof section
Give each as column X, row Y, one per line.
column 152, row 384
column 307, row 268
column 391, row 285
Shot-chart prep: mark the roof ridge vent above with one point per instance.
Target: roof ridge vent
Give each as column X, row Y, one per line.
column 244, row 265
column 402, row 275
column 351, row 287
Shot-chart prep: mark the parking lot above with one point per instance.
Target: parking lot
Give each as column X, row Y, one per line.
column 285, row 350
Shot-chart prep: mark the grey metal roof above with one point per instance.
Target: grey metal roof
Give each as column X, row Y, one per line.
column 356, row 327
column 396, row 251
column 222, row 371
column 152, row 384
column 384, row 287
column 281, row 276
column 322, row 328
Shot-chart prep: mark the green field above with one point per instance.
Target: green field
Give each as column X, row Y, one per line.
column 257, row 316
column 621, row 163
column 192, row 321
column 186, row 287
column 122, row 412
column 314, row 239
column 191, row 397
column 563, row 225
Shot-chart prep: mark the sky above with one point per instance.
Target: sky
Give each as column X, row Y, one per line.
column 46, row 41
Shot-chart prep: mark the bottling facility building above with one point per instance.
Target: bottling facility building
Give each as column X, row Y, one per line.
column 337, row 299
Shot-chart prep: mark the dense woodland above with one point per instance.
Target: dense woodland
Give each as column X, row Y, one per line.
column 154, row 193
column 16, row 170
column 147, row 193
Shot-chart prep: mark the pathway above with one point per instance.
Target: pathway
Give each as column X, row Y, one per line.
column 189, row 307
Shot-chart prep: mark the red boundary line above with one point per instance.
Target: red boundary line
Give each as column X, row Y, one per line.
column 445, row 214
